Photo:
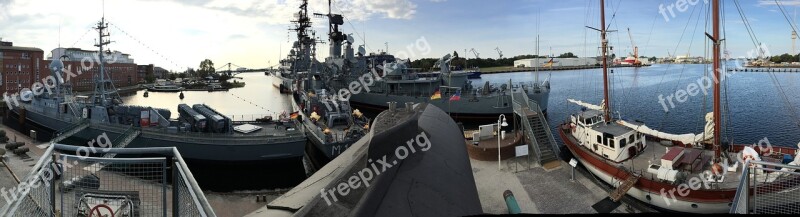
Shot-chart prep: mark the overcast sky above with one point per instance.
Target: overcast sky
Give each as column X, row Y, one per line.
column 177, row 34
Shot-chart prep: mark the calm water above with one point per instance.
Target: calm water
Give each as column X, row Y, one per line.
column 256, row 99
column 756, row 109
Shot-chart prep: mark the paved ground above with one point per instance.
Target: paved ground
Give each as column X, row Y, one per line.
column 536, row 190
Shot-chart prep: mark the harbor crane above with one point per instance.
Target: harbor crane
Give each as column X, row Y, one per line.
column 635, row 54
column 499, row 52
column 477, row 55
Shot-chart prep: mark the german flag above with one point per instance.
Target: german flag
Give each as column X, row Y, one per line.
column 436, row 95
column 549, row 63
column 294, row 115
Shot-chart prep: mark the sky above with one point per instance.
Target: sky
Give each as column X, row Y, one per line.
column 177, row 34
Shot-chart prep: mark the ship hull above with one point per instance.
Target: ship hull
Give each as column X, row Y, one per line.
column 654, row 193
column 222, row 148
column 465, row 109
column 331, row 150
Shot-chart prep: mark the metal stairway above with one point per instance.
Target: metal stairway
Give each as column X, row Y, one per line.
column 67, row 132
column 535, row 128
column 121, row 141
column 623, row 188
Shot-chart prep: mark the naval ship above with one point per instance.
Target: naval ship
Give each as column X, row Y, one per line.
column 329, row 121
column 200, row 132
column 450, row 90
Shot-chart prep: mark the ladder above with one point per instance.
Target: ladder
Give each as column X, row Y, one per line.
column 623, row 188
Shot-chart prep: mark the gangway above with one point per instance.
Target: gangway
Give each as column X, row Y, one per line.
column 535, row 128
column 67, row 132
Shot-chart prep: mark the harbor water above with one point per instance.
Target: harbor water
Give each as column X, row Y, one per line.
column 756, row 107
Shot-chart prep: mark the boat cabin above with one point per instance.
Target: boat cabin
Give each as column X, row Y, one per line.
column 610, row 140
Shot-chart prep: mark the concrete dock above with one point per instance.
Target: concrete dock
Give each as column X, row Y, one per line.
column 537, row 190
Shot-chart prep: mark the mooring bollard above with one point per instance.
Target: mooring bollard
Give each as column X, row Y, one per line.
column 511, row 202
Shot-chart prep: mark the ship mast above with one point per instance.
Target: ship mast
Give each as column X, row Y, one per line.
column 604, row 41
column 717, row 71
column 101, row 96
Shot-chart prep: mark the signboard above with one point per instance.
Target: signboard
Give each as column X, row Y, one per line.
column 573, row 162
column 522, row 150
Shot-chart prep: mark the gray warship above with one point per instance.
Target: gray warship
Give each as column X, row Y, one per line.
column 200, row 132
column 329, row 121
column 450, row 90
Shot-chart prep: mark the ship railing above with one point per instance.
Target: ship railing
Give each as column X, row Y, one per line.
column 767, row 188
column 63, row 184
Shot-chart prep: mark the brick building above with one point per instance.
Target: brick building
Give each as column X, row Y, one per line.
column 20, row 67
column 119, row 67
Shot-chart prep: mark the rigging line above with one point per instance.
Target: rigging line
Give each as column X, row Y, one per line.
column 726, row 105
column 680, row 41
column 81, row 38
column 780, row 6
column 691, row 43
column 142, row 44
column 652, row 26
column 785, row 98
column 747, row 26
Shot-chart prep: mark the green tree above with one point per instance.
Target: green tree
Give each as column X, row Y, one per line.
column 173, row 76
column 206, row 68
column 567, row 55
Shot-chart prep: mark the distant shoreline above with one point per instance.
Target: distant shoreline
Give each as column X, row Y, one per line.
column 510, row 69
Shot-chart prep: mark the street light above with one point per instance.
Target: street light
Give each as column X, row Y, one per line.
column 501, row 122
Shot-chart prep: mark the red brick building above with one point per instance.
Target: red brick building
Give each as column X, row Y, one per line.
column 20, row 67
column 119, row 67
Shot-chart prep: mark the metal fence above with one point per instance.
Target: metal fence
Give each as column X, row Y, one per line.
column 65, row 184
column 768, row 188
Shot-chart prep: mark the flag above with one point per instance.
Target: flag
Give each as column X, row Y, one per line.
column 456, row 96
column 437, row 94
column 294, row 115
column 549, row 63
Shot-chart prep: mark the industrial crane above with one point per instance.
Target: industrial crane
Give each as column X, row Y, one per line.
column 499, row 52
column 477, row 55
column 636, row 61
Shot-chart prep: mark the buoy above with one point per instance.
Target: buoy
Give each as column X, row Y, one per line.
column 181, row 95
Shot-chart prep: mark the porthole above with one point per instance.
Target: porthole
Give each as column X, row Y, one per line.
column 694, row 206
column 648, row 197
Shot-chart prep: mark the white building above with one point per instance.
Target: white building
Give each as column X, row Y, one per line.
column 77, row 54
column 582, row 61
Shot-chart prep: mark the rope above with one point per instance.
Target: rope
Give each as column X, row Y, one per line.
column 148, row 47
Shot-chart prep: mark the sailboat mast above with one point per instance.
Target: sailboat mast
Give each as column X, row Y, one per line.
column 717, row 72
column 604, row 41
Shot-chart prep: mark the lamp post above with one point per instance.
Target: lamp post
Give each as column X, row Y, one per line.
column 501, row 122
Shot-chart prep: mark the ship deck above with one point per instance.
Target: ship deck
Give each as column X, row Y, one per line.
column 655, row 150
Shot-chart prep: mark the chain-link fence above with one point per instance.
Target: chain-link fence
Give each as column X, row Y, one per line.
column 90, row 186
column 768, row 188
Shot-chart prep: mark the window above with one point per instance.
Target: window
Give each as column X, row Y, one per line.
column 630, row 138
column 611, row 143
column 599, row 139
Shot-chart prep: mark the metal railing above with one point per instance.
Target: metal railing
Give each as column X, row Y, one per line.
column 767, row 188
column 62, row 184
